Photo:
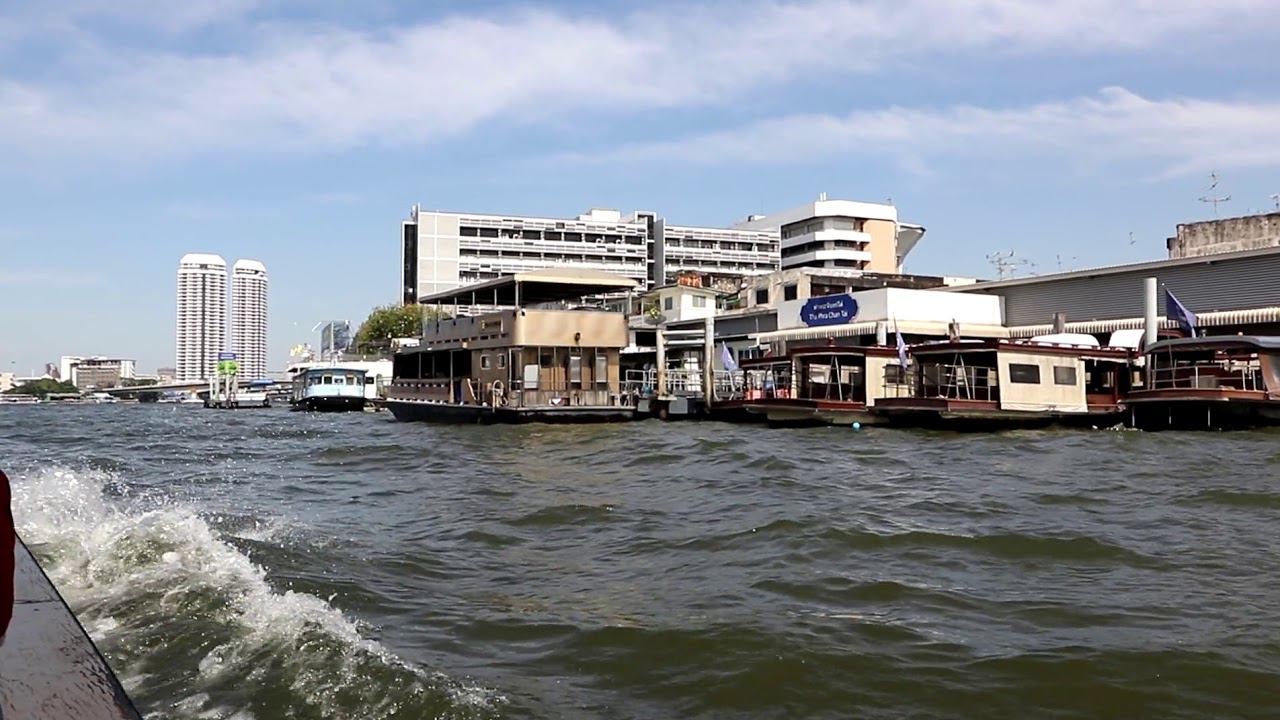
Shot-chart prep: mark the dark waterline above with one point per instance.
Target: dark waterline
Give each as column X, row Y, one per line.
column 278, row 564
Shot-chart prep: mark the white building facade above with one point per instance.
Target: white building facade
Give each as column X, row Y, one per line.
column 249, row 317
column 202, row 315
column 841, row 234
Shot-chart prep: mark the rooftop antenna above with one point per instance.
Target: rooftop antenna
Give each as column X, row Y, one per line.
column 1275, row 198
column 1211, row 197
column 1073, row 258
column 1007, row 263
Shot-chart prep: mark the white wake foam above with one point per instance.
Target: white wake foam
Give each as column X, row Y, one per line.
column 146, row 573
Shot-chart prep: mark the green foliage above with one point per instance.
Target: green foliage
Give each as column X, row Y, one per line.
column 134, row 382
column 392, row 321
column 42, row 388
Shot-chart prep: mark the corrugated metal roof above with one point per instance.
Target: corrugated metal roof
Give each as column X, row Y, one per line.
column 1248, row 316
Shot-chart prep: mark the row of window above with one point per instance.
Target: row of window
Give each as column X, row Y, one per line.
column 699, row 301
column 1030, row 374
column 549, row 235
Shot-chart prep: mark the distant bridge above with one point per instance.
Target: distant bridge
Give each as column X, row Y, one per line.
column 192, row 386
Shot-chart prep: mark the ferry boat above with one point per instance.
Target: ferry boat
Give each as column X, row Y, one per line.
column 821, row 385
column 100, row 398
column 19, row 400
column 329, row 389
column 534, row 359
column 1003, row 384
column 1208, row 383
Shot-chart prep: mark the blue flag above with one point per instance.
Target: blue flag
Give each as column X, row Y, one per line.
column 902, row 350
column 726, row 358
column 1175, row 310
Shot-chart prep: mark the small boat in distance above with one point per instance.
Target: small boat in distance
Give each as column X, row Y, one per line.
column 1008, row 384
column 329, row 389
column 19, row 400
column 1208, row 383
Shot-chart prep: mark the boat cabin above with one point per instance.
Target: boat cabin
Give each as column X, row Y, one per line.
column 982, row 383
column 1230, row 381
column 329, row 388
column 820, row 385
column 543, row 359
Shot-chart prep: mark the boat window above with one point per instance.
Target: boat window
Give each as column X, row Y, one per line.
column 502, row 360
column 1024, row 374
column 484, row 361
column 339, row 380
column 1063, row 375
column 328, row 380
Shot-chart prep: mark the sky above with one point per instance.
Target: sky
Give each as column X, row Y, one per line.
column 1073, row 134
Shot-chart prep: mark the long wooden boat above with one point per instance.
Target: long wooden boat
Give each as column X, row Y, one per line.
column 1208, row 383
column 821, row 385
column 1005, row 384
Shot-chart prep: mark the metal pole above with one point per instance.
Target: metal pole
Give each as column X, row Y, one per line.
column 708, row 351
column 660, row 386
column 1149, row 307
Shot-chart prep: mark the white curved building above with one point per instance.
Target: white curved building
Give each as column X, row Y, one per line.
column 249, row 317
column 202, row 314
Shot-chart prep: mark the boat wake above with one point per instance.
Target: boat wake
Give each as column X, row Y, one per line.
column 181, row 612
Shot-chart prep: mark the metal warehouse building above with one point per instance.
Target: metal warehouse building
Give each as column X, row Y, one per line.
column 1230, row 292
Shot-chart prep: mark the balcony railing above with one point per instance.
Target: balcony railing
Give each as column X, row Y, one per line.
column 1207, row 376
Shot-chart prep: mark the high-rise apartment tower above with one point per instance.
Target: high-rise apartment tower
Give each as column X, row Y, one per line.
column 249, row 317
column 202, row 314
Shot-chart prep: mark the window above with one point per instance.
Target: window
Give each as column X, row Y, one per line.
column 484, row 361
column 699, row 301
column 502, row 360
column 1064, row 375
column 1025, row 374
column 762, row 296
column 668, row 304
column 894, row 375
column 790, row 292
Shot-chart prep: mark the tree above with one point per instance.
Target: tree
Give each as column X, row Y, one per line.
column 393, row 321
column 42, row 388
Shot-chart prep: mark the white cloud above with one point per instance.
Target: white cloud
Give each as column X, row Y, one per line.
column 307, row 87
column 1177, row 135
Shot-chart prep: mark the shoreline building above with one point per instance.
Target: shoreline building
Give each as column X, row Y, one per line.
column 841, row 234
column 249, row 317
column 96, row 372
column 443, row 250
column 202, row 315
column 1225, row 235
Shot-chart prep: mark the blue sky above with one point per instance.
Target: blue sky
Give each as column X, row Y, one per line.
column 299, row 133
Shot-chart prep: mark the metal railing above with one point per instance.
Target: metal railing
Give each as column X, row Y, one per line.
column 468, row 391
column 1207, row 376
column 952, row 382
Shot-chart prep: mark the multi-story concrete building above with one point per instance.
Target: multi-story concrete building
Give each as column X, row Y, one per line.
column 202, row 314
column 441, row 251
column 95, row 372
column 249, row 317
column 1212, row 237
column 841, row 234
column 6, row 381
column 721, row 254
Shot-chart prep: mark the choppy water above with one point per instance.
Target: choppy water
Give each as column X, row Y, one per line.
column 266, row 564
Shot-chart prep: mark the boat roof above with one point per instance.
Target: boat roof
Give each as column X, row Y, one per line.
column 803, row 351
column 1217, row 342
column 331, row 368
column 994, row 344
column 534, row 287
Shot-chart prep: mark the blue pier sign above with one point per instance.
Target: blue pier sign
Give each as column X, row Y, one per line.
column 829, row 310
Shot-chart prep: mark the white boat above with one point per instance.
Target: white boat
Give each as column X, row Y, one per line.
column 19, row 400
column 329, row 389
column 101, row 398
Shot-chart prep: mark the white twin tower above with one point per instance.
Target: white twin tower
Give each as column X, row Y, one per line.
column 202, row 316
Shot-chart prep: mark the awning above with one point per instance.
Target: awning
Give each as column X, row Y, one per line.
column 906, row 327
column 1204, row 319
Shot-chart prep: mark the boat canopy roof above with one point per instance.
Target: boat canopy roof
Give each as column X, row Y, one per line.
column 1029, row 346
column 534, row 287
column 1217, row 343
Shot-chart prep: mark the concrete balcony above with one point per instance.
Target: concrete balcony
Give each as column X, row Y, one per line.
column 822, row 236
column 821, row 256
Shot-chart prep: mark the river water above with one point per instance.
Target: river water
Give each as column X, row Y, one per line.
column 267, row 564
